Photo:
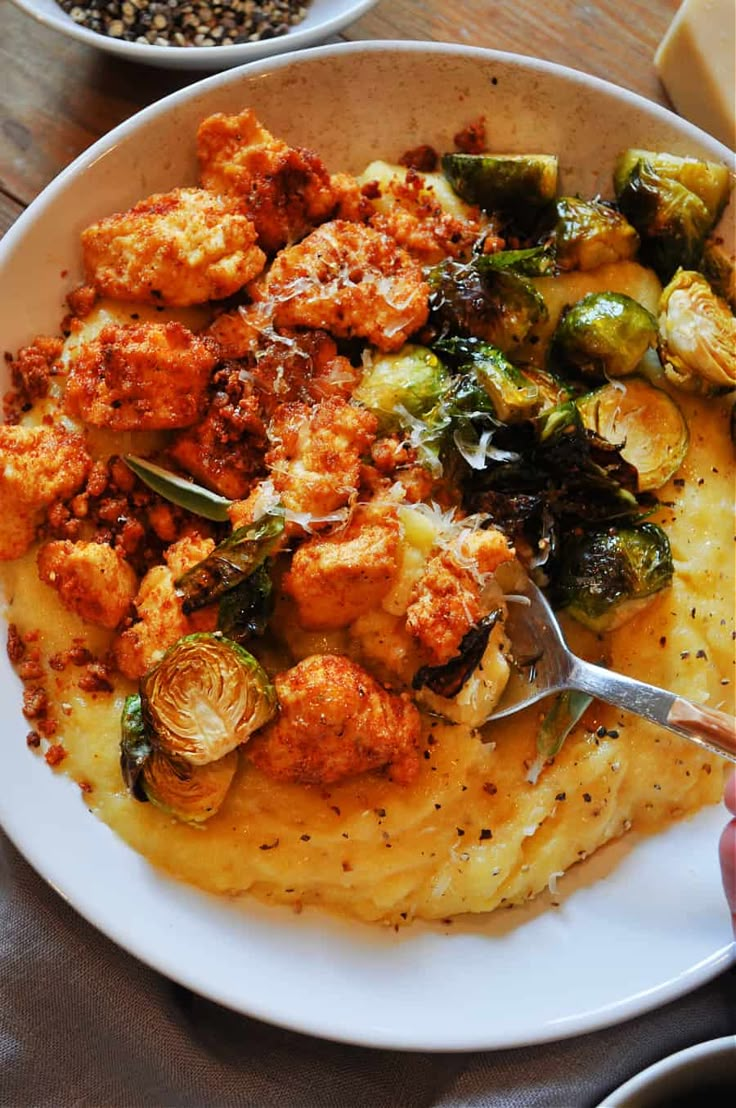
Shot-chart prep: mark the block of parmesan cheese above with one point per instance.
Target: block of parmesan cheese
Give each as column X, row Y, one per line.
column 696, row 63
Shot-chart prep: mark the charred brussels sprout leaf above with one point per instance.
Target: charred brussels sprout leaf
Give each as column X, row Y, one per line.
column 190, row 793
column 537, row 261
column 135, row 745
column 556, row 476
column 204, row 698
column 644, row 422
column 606, row 334
column 502, row 182
column 400, row 387
column 697, row 335
column 494, row 304
column 447, row 680
column 512, row 395
column 244, row 611
column 590, row 233
column 673, row 203
column 608, row 576
column 230, row 563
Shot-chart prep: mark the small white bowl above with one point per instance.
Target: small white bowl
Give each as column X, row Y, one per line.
column 324, row 18
column 704, row 1074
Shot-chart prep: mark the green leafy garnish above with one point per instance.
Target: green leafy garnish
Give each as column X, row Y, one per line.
column 179, row 490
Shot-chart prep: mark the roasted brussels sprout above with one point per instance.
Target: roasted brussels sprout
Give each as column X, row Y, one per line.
column 608, row 576
column 204, row 698
column 495, row 304
column 590, row 233
column 408, row 383
column 718, row 266
column 512, row 395
column 605, row 334
column 230, row 563
column 190, row 793
column 502, row 182
column 709, row 181
column 697, row 335
column 674, row 203
column 646, row 424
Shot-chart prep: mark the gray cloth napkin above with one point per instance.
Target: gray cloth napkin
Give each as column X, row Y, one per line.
column 83, row 1023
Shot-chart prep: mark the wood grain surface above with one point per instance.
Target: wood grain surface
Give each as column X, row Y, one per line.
column 57, row 96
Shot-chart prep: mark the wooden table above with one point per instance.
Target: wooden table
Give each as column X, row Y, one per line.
column 58, row 96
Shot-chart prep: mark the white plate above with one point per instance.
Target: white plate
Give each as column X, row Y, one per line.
column 324, row 18
column 639, row 924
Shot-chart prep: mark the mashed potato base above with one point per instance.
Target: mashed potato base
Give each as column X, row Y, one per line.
column 472, row 832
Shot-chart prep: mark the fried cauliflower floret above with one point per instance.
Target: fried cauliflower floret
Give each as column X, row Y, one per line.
column 285, row 190
column 91, row 579
column 410, row 209
column 336, row 578
column 182, row 247
column 38, row 466
column 446, row 600
column 140, row 377
column 350, row 280
column 225, row 449
column 284, row 365
column 315, row 453
column 161, row 620
column 335, row 721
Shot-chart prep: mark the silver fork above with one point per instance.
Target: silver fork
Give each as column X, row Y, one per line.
column 544, row 665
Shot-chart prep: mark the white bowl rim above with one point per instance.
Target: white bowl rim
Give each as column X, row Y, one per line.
column 672, row 1064
column 297, row 36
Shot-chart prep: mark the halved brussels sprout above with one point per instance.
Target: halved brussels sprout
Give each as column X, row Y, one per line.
column 502, row 182
column 697, row 335
column 204, row 698
column 709, row 181
column 191, row 793
column 606, row 334
column 591, row 233
column 674, row 203
column 512, row 395
column 609, row 576
column 473, row 298
column 645, row 423
column 410, row 381
column 230, row 563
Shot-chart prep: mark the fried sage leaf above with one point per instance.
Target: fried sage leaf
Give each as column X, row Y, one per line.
column 230, row 563
column 179, row 490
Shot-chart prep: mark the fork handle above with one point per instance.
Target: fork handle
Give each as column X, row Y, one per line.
column 708, row 728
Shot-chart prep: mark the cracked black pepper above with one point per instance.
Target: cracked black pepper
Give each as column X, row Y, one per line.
column 172, row 23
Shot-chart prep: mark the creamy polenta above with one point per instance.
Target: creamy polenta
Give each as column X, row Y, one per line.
column 416, row 810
